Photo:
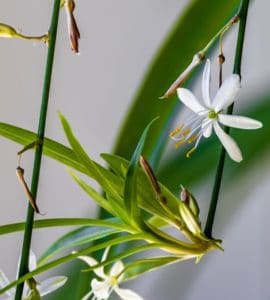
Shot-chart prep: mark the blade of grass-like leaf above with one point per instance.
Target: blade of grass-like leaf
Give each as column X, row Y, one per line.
column 110, row 223
column 74, row 239
column 134, row 269
column 130, row 195
column 105, row 180
column 200, row 21
column 51, row 148
column 68, row 258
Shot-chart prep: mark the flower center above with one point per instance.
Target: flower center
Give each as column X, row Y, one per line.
column 114, row 281
column 212, row 114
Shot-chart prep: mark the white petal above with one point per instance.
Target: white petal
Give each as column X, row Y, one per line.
column 4, row 282
column 87, row 296
column 239, row 122
column 189, row 100
column 105, row 254
column 127, row 294
column 227, row 93
column 92, row 262
column 117, row 268
column 228, row 143
column 49, row 285
column 207, row 131
column 100, row 288
column 32, row 261
column 206, row 84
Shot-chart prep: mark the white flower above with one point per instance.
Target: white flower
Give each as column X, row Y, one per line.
column 102, row 289
column 44, row 287
column 209, row 115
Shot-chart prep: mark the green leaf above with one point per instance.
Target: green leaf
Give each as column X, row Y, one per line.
column 191, row 32
column 109, row 223
column 74, row 239
column 51, row 148
column 105, row 178
column 130, row 194
column 70, row 257
column 137, row 268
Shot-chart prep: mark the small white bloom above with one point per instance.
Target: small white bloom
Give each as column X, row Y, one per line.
column 209, row 115
column 44, row 287
column 106, row 284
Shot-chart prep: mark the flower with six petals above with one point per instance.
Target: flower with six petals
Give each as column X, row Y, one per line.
column 209, row 115
column 106, row 284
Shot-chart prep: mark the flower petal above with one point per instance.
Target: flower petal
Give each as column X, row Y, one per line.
column 206, row 84
column 228, row 143
column 127, row 294
column 189, row 100
column 49, row 285
column 88, row 295
column 92, row 262
column 227, row 93
column 207, row 129
column 117, row 268
column 239, row 122
column 32, row 261
column 4, row 282
column 101, row 288
column 105, row 254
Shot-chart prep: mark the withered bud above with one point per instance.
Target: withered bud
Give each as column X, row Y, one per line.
column 152, row 178
column 73, row 30
column 197, row 59
column 221, row 59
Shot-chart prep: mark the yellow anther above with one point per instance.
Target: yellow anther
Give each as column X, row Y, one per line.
column 175, row 131
column 190, row 152
column 192, row 138
column 185, row 132
column 180, row 143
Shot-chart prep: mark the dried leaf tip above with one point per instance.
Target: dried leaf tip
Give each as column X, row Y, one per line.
column 197, row 59
column 73, row 30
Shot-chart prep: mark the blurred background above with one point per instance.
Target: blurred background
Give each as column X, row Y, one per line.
column 94, row 91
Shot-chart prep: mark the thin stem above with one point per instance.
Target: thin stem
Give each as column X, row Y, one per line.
column 23, row 269
column 242, row 14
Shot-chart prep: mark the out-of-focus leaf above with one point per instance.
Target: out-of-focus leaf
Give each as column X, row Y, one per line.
column 130, row 188
column 191, row 32
column 74, row 239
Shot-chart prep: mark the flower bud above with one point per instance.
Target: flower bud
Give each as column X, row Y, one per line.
column 190, row 201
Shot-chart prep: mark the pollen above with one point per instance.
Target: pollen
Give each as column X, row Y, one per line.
column 176, row 131
column 179, row 144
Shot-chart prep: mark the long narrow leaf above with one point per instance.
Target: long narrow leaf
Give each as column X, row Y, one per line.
column 130, row 195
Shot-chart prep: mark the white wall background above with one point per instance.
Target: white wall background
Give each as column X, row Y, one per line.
column 93, row 90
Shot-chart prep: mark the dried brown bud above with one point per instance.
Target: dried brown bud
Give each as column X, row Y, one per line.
column 73, row 30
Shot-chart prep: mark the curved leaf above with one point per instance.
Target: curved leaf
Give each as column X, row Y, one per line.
column 199, row 23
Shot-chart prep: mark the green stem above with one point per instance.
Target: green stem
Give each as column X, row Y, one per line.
column 242, row 14
column 23, row 269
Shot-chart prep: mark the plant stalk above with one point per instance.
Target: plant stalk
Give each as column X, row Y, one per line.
column 242, row 14
column 23, row 268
